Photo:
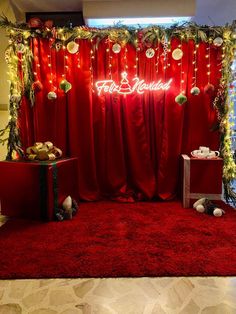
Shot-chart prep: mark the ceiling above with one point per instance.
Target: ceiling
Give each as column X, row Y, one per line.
column 210, row 12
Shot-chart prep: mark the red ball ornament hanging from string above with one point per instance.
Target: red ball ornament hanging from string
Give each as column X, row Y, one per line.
column 35, row 22
column 37, row 86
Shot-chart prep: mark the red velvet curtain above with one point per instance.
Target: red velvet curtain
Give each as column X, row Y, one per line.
column 128, row 146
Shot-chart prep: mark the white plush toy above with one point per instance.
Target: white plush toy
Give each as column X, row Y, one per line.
column 204, row 205
column 68, row 209
column 67, row 206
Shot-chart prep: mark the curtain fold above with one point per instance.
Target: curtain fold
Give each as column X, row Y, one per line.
column 128, row 146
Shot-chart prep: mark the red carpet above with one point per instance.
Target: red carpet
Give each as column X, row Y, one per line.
column 108, row 239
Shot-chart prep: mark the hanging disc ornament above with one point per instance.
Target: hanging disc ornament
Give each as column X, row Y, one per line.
column 177, row 54
column 218, row 41
column 195, row 91
column 52, row 95
column 72, row 47
column 116, row 48
column 180, row 99
column 150, row 53
column 65, row 85
column 209, row 88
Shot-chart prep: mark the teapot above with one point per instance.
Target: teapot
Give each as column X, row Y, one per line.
column 205, row 152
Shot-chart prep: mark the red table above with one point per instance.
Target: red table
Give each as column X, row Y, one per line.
column 35, row 189
column 202, row 177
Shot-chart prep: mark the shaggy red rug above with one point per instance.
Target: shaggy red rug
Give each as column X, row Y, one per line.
column 108, row 239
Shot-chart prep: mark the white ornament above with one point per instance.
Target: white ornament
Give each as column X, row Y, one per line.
column 177, row 54
column 150, row 53
column 217, row 212
column 116, row 48
column 218, row 41
column 67, row 203
column 52, row 95
column 200, row 208
column 195, row 91
column 72, row 47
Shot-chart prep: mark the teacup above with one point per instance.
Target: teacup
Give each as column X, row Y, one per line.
column 204, row 149
column 213, row 153
column 199, row 154
column 205, row 154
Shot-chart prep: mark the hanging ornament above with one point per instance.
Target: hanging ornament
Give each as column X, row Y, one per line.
column 233, row 35
column 65, row 85
column 218, row 41
column 20, row 48
column 209, row 88
column 180, row 99
column 150, row 53
column 48, row 24
column 177, row 54
column 195, row 91
column 116, row 48
column 37, row 86
column 72, row 47
column 52, row 95
column 35, row 22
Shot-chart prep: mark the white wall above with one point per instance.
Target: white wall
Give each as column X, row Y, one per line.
column 215, row 12
column 3, row 122
column 5, row 8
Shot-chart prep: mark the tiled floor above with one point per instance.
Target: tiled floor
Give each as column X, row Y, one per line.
column 122, row 296
column 184, row 295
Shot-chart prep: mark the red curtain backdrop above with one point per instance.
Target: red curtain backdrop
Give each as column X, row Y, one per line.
column 128, row 146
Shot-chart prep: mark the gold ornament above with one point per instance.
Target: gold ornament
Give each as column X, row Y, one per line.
column 65, row 85
column 180, row 99
column 72, row 47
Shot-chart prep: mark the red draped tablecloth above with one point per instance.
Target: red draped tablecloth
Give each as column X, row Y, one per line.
column 35, row 189
column 202, row 177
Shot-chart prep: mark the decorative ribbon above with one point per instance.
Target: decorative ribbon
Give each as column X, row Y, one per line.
column 44, row 189
column 43, row 151
column 55, row 188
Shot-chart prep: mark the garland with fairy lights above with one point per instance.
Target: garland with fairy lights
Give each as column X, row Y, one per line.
column 22, row 82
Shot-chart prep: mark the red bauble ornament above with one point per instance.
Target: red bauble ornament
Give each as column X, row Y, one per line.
column 48, row 24
column 37, row 86
column 209, row 89
column 35, row 22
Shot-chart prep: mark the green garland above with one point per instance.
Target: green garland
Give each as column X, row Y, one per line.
column 22, row 84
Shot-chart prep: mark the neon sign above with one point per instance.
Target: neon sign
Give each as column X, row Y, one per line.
column 139, row 86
